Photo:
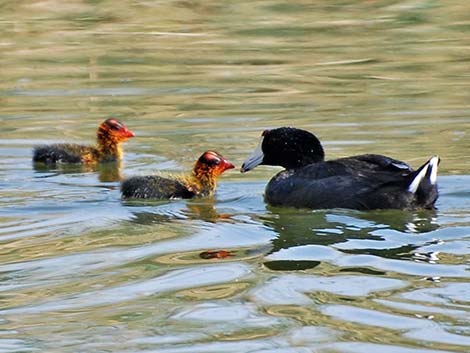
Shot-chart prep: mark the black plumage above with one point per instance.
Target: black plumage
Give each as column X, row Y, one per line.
column 362, row 182
column 62, row 153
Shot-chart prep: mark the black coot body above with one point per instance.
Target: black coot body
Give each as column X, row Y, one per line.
column 361, row 182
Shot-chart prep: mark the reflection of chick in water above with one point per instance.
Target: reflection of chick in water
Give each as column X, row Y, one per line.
column 204, row 210
column 195, row 209
column 107, row 172
column 297, row 228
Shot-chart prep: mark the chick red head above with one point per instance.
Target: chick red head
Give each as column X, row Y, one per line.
column 115, row 129
column 214, row 163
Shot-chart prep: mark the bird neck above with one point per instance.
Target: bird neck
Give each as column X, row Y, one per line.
column 201, row 182
column 108, row 149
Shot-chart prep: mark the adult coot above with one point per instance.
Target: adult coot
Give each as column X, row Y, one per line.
column 363, row 182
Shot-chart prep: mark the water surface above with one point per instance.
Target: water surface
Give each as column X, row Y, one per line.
column 83, row 271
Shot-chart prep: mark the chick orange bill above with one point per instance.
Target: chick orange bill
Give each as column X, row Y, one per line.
column 125, row 132
column 225, row 164
column 115, row 125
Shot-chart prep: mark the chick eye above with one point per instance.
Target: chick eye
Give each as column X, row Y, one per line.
column 211, row 159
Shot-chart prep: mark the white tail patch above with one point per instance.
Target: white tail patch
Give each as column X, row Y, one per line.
column 432, row 175
column 433, row 163
column 417, row 180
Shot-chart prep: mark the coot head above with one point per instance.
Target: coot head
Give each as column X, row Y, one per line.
column 287, row 147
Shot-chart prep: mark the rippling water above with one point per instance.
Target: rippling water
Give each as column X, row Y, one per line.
column 83, row 271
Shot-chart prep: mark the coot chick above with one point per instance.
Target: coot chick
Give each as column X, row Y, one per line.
column 201, row 183
column 110, row 134
column 363, row 182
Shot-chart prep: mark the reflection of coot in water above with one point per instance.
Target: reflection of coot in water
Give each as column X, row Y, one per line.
column 297, row 228
column 421, row 221
column 363, row 182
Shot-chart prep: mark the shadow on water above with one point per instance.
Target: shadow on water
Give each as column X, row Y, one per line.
column 107, row 172
column 297, row 228
column 390, row 234
column 147, row 212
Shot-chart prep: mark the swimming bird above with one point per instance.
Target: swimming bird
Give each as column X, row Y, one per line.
column 201, row 183
column 110, row 134
column 363, row 182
